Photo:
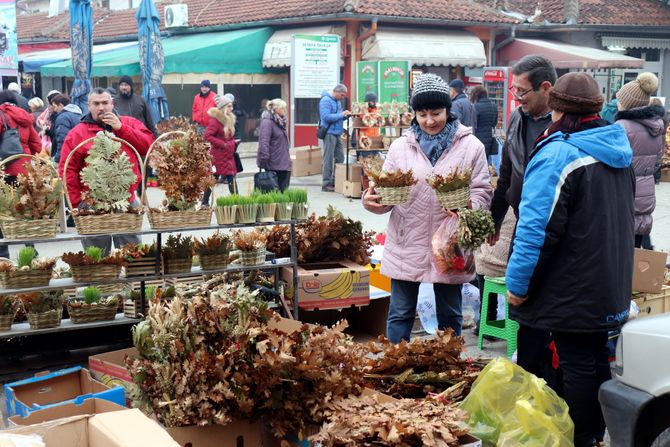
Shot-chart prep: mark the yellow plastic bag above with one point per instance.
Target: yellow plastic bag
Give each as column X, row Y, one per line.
column 508, row 406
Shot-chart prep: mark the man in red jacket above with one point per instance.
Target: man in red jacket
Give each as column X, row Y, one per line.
column 202, row 102
column 101, row 117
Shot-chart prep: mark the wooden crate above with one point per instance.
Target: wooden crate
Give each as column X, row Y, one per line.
column 142, row 267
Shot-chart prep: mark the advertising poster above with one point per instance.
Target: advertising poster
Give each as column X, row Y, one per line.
column 9, row 52
column 366, row 79
column 316, row 65
column 394, row 81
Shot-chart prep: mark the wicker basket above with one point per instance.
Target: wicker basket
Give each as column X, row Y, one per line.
column 266, row 212
column 110, row 222
column 6, row 322
column 33, row 228
column 177, row 265
column 92, row 312
column 255, row 257
column 46, row 319
column 170, row 220
column 300, row 211
column 18, row 279
column 29, row 229
column 454, row 199
column 214, row 262
column 247, row 213
column 142, row 267
column 225, row 215
column 394, row 195
column 95, row 272
column 284, row 211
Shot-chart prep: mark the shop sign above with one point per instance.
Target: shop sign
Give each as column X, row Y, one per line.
column 366, row 77
column 316, row 65
column 393, row 81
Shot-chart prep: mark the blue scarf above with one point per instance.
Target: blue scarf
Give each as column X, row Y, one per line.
column 435, row 145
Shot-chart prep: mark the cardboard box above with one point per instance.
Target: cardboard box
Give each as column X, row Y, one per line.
column 307, row 160
column 648, row 270
column 87, row 407
column 665, row 175
column 110, row 367
column 355, row 173
column 653, row 303
column 126, row 428
column 377, row 279
column 365, row 323
column 329, row 285
column 67, row 385
column 235, row 434
column 352, row 189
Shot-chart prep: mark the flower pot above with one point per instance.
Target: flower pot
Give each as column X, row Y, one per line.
column 50, row 318
column 169, row 220
column 300, row 210
column 214, row 262
column 284, row 211
column 85, row 313
column 254, row 257
column 393, row 196
column 247, row 213
column 178, row 265
column 29, row 229
column 225, row 215
column 17, row 279
column 6, row 322
column 454, row 199
column 266, row 212
column 95, row 272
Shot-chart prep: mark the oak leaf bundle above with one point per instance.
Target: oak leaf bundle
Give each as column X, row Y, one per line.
column 184, row 165
column 36, row 194
column 453, row 181
column 394, row 179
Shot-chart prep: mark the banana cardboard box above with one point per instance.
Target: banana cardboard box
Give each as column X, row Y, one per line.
column 329, row 285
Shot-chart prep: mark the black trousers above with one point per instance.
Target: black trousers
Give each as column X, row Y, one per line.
column 585, row 366
column 284, row 178
column 535, row 356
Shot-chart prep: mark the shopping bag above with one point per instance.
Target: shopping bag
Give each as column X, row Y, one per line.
column 266, row 181
column 508, row 406
column 448, row 257
column 236, row 156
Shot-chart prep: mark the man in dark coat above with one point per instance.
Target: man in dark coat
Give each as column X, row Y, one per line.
column 21, row 100
column 487, row 118
column 128, row 103
column 68, row 116
column 461, row 105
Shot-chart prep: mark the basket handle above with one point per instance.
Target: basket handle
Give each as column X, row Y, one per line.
column 164, row 136
column 40, row 160
column 86, row 141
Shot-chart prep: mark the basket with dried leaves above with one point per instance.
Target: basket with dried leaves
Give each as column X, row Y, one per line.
column 29, row 271
column 92, row 306
column 394, row 186
column 175, row 123
column 91, row 265
column 107, row 178
column 178, row 253
column 184, row 164
column 29, row 208
column 141, row 259
column 43, row 309
column 9, row 305
column 372, row 166
column 213, row 251
column 252, row 246
column 453, row 189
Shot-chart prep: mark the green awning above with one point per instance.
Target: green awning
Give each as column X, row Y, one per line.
column 238, row 51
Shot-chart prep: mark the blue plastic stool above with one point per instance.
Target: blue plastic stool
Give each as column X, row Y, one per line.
column 505, row 329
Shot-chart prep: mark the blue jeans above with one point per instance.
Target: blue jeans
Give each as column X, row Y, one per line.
column 402, row 311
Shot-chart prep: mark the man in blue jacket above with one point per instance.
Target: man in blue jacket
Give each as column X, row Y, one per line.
column 332, row 116
column 461, row 105
column 68, row 116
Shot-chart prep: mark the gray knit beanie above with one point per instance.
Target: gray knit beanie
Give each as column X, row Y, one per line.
column 430, row 92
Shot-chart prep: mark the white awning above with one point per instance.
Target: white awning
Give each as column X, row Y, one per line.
column 635, row 42
column 426, row 47
column 34, row 60
column 277, row 52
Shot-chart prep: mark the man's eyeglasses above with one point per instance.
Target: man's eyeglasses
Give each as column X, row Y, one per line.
column 519, row 94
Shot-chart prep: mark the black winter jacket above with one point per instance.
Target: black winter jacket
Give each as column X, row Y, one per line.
column 137, row 107
column 65, row 121
column 487, row 118
column 515, row 156
column 573, row 250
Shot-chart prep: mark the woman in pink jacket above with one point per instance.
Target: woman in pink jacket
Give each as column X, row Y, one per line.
column 436, row 143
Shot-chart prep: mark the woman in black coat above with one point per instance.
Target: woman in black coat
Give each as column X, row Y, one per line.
column 487, row 118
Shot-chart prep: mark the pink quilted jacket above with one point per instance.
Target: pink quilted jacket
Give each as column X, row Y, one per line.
column 407, row 251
